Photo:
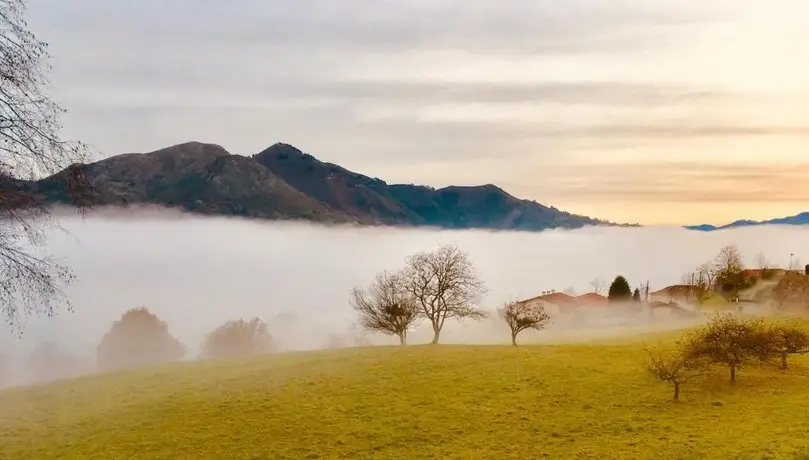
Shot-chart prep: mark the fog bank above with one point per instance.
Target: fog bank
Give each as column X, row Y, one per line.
column 196, row 272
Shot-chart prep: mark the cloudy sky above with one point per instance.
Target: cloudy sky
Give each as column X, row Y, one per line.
column 672, row 111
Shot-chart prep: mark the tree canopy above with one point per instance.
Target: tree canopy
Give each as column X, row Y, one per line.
column 445, row 286
column 619, row 290
column 238, row 338
column 139, row 338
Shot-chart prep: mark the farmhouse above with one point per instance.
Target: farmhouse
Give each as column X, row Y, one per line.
column 591, row 298
column 555, row 303
column 678, row 293
column 561, row 305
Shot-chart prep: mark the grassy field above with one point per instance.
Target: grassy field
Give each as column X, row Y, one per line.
column 464, row 402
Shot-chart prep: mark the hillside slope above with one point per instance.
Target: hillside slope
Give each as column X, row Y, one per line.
column 363, row 197
column 282, row 182
column 201, row 178
column 503, row 402
column 798, row 219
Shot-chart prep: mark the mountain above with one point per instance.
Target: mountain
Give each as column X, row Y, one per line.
column 282, row 182
column 799, row 219
column 200, row 178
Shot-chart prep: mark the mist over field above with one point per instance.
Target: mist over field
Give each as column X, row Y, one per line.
column 198, row 272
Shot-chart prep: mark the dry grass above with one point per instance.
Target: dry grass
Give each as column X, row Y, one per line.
column 570, row 401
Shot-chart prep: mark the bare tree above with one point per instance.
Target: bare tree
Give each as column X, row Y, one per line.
column 598, row 285
column 445, row 285
column 238, row 338
column 789, row 339
column 732, row 341
column 698, row 283
column 521, row 316
column 388, row 306
column 729, row 275
column 707, row 273
column 30, row 148
column 675, row 367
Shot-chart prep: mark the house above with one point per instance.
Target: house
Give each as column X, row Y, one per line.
column 679, row 293
column 561, row 305
column 591, row 298
column 555, row 303
column 757, row 273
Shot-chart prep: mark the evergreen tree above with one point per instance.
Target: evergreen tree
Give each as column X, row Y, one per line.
column 620, row 290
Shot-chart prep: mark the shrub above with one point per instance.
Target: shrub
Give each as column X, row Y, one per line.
column 238, row 338
column 139, row 338
column 732, row 341
column 788, row 339
column 520, row 316
column 675, row 366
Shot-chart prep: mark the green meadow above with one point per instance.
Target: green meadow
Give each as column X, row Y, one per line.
column 589, row 400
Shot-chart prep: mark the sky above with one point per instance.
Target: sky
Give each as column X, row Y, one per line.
column 195, row 272
column 664, row 112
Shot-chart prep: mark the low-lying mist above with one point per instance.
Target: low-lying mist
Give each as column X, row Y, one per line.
column 197, row 272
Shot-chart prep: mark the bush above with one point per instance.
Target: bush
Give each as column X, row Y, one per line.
column 732, row 341
column 788, row 339
column 675, row 366
column 139, row 338
column 520, row 316
column 238, row 338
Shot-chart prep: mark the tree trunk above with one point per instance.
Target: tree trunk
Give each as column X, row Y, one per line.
column 514, row 339
column 437, row 333
column 783, row 360
column 676, row 391
column 403, row 338
column 732, row 374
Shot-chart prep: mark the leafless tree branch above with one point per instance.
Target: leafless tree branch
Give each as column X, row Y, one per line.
column 445, row 285
column 387, row 306
column 30, row 148
column 520, row 316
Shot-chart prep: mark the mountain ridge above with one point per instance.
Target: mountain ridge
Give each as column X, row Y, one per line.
column 797, row 219
column 283, row 182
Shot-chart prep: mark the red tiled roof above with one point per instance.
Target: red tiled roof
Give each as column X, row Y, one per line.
column 558, row 298
column 592, row 297
column 675, row 289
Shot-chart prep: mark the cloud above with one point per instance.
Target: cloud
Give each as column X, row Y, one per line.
column 665, row 182
column 437, row 88
column 362, row 25
column 196, row 273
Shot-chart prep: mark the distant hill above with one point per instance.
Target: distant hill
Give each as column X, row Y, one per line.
column 799, row 219
column 282, row 182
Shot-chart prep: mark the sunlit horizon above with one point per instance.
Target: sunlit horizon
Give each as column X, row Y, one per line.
column 680, row 112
